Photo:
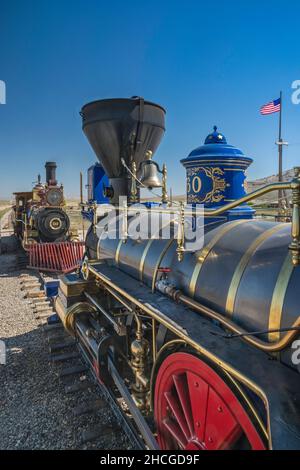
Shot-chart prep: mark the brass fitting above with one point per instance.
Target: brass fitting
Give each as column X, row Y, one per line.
column 180, row 235
column 164, row 190
column 85, row 269
column 68, row 315
column 125, row 223
column 295, row 244
column 133, row 189
column 94, row 206
column 139, row 361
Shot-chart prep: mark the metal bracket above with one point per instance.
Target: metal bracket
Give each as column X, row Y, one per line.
column 295, row 245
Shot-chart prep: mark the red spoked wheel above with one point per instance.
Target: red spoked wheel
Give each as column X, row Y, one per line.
column 196, row 410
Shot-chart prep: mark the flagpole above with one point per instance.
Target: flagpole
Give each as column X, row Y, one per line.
column 280, row 193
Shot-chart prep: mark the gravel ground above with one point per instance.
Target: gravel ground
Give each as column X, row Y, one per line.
column 35, row 412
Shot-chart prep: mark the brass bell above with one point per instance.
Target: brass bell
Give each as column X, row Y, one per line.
column 149, row 173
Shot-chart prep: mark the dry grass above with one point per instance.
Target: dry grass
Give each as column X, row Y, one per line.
column 2, row 212
column 76, row 220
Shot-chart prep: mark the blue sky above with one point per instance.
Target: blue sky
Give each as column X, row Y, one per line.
column 206, row 62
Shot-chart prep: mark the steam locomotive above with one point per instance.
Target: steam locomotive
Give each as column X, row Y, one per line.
column 200, row 344
column 39, row 215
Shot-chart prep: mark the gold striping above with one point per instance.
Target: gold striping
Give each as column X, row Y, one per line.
column 99, row 240
column 278, row 297
column 239, row 271
column 145, row 252
column 251, row 406
column 234, row 169
column 227, row 161
column 207, row 249
column 142, row 261
column 154, row 346
column 117, row 255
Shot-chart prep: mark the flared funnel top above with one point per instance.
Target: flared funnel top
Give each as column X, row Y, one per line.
column 122, row 128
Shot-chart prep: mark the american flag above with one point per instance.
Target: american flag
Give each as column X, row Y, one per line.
column 271, row 107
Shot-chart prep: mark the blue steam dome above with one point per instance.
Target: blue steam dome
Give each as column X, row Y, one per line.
column 215, row 138
column 216, row 174
column 215, row 146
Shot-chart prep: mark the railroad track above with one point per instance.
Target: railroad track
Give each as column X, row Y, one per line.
column 68, row 363
column 10, row 246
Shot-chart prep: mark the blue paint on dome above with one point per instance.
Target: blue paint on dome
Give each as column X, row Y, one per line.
column 215, row 146
column 216, row 175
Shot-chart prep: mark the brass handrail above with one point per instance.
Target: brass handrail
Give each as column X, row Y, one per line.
column 293, row 185
column 283, row 343
column 211, row 212
column 249, row 197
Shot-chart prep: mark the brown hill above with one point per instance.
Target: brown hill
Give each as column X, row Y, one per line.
column 288, row 175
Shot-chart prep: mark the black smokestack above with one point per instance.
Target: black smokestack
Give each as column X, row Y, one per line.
column 122, row 128
column 51, row 173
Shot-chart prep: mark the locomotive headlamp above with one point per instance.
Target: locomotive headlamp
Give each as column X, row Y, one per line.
column 54, row 197
column 55, row 223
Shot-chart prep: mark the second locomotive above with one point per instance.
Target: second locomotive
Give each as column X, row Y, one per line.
column 40, row 214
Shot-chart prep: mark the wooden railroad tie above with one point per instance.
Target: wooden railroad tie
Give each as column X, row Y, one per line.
column 78, row 387
column 99, row 431
column 30, row 286
column 56, row 338
column 37, row 302
column 90, row 407
column 65, row 344
column 42, row 311
column 35, row 294
column 64, row 357
column 73, row 370
column 30, row 280
column 42, row 308
column 42, row 316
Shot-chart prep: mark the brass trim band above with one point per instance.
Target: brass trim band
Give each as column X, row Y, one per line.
column 240, row 269
column 117, row 255
column 250, row 404
column 143, row 257
column 100, row 239
column 234, row 169
column 203, row 254
column 227, row 161
column 145, row 252
column 278, row 298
